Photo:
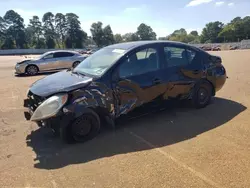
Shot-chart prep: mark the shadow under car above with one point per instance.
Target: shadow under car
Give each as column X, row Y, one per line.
column 163, row 128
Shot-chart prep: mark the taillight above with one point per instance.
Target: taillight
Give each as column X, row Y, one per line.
column 215, row 59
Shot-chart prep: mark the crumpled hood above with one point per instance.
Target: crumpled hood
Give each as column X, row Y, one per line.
column 64, row 81
column 24, row 61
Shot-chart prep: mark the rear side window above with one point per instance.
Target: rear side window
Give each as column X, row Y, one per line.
column 63, row 54
column 177, row 56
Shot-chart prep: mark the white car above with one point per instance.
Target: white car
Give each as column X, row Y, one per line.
column 50, row 61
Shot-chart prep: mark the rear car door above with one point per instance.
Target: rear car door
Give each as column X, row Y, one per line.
column 64, row 60
column 183, row 67
column 136, row 80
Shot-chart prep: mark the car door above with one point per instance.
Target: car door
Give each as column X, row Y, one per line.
column 136, row 80
column 47, row 62
column 183, row 67
column 64, row 60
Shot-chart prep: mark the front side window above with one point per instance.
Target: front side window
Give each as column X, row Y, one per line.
column 100, row 61
column 48, row 56
column 140, row 62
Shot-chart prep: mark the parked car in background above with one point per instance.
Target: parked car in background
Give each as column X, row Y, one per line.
column 49, row 61
column 116, row 80
column 233, row 47
column 216, row 48
column 88, row 51
column 206, row 48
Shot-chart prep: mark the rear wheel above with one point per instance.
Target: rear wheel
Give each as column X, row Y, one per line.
column 31, row 70
column 75, row 64
column 202, row 95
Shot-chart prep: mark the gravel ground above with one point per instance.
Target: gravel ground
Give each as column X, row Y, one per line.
column 181, row 147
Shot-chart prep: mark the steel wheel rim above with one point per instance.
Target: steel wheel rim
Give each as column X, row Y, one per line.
column 82, row 127
column 203, row 95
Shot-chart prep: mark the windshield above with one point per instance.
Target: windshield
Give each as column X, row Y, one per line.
column 100, row 61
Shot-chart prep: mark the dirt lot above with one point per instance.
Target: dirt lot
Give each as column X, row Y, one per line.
column 182, row 147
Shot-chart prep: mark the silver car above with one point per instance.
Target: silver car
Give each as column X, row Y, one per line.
column 50, row 61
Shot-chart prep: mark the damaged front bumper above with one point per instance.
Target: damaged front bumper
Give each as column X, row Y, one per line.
column 61, row 120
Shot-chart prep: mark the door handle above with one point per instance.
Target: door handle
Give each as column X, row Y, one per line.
column 156, row 81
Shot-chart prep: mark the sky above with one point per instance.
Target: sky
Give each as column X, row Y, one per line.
column 164, row 16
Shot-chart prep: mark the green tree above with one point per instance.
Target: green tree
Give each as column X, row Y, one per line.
column 194, row 33
column 8, row 43
column 2, row 31
column 61, row 27
column 90, row 41
column 2, row 27
column 211, row 32
column 128, row 37
column 36, row 29
column 236, row 30
column 75, row 36
column 49, row 30
column 246, row 23
column 97, row 33
column 102, row 36
column 182, row 36
column 108, row 37
column 145, row 32
column 15, row 28
column 180, row 32
column 118, row 38
column 29, row 36
column 163, row 38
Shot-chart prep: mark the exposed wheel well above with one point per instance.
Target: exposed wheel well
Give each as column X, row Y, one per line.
column 103, row 114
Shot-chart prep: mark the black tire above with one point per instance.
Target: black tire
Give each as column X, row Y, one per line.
column 202, row 95
column 75, row 64
column 31, row 70
column 82, row 129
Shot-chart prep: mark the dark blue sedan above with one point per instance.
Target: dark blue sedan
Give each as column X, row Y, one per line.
column 118, row 79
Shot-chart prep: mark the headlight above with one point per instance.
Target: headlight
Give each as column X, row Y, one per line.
column 50, row 107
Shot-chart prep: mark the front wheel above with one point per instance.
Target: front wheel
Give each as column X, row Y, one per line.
column 75, row 64
column 32, row 70
column 202, row 95
column 82, row 129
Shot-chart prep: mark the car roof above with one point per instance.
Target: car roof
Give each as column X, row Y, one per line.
column 70, row 51
column 135, row 44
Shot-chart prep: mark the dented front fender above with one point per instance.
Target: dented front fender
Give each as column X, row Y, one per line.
column 97, row 96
